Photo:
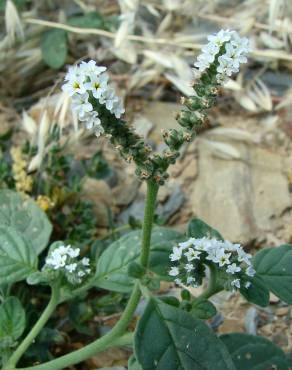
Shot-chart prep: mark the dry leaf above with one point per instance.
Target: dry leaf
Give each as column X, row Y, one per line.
column 222, row 150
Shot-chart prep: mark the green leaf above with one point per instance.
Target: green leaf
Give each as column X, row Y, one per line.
column 169, row 338
column 273, row 265
column 88, row 20
column 203, row 309
column 54, row 48
column 133, row 364
column 198, row 229
column 257, row 293
column 17, row 256
column 12, row 321
column 26, row 217
column 254, row 353
column 112, row 266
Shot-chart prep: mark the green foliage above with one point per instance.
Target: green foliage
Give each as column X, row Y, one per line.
column 97, row 167
column 198, row 229
column 54, row 48
column 112, row 266
column 253, row 352
column 26, row 217
column 273, row 265
column 12, row 322
column 6, row 178
column 94, row 20
column 133, row 364
column 18, row 258
column 257, row 293
column 88, row 20
column 203, row 309
column 169, row 338
column 40, row 349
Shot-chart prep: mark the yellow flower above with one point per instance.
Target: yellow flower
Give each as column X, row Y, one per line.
column 44, row 202
column 23, row 182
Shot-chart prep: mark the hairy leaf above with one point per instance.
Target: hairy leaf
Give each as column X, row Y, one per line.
column 198, row 229
column 12, row 321
column 203, row 309
column 17, row 256
column 169, row 338
column 26, row 217
column 274, row 266
column 253, row 352
column 112, row 266
column 54, row 48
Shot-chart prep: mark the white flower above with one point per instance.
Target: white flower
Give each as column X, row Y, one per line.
column 174, row 271
column 191, row 254
column 109, row 98
column 97, row 84
column 224, row 259
column 247, row 284
column 75, row 84
column 81, row 273
column 90, row 120
column 232, row 49
column 56, row 260
column 91, row 68
column 85, row 261
column 81, row 105
column 177, row 281
column 62, row 249
column 250, row 271
column 221, row 37
column 188, row 243
column 236, row 283
column 71, row 268
column 243, row 256
column 73, row 252
column 190, row 280
column 118, row 109
column 176, row 254
column 189, row 267
column 233, row 268
column 226, row 66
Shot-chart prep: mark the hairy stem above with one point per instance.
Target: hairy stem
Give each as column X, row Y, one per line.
column 213, row 286
column 152, row 190
column 115, row 336
column 54, row 300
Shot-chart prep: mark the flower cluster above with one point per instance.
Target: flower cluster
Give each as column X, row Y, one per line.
column 226, row 50
column 65, row 259
column 87, row 83
column 190, row 257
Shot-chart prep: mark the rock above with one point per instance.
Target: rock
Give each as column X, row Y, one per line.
column 173, row 203
column 136, row 210
column 99, row 193
column 162, row 115
column 282, row 311
column 142, row 125
column 251, row 321
column 243, row 198
column 273, row 298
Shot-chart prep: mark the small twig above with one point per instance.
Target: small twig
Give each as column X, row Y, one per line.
column 159, row 41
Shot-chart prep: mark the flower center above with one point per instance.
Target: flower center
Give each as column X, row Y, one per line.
column 76, row 85
column 96, row 85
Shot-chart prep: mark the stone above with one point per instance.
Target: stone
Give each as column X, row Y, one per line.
column 142, row 125
column 99, row 193
column 243, row 198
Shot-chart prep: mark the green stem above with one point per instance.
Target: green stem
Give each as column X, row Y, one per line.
column 54, row 300
column 114, row 337
column 213, row 286
column 152, row 190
